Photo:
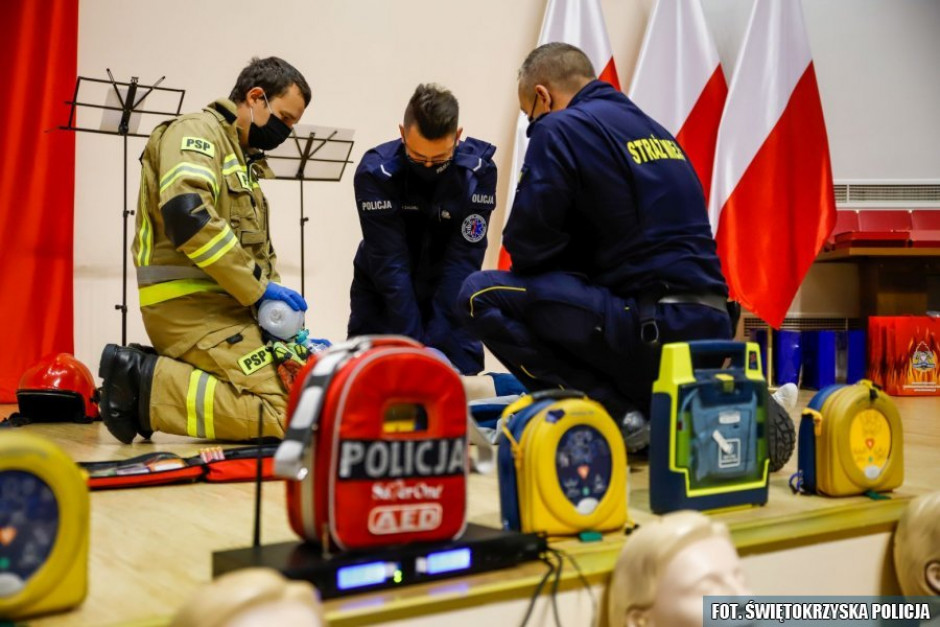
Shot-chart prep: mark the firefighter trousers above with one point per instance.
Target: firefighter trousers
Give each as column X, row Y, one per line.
column 215, row 389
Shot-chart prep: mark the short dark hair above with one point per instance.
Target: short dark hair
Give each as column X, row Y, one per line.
column 434, row 109
column 557, row 64
column 272, row 74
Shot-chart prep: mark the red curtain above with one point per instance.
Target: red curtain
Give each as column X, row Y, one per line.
column 39, row 50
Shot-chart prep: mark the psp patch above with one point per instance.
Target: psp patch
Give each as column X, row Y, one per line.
column 255, row 360
column 198, row 144
column 473, row 228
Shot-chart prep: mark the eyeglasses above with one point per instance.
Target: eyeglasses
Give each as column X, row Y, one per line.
column 419, row 159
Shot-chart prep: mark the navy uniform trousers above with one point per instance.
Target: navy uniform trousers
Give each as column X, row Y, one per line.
column 555, row 330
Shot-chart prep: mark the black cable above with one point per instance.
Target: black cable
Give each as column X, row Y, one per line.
column 538, row 591
column 561, row 566
column 584, row 583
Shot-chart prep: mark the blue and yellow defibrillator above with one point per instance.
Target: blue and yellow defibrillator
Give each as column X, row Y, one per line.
column 44, row 526
column 562, row 466
column 708, row 440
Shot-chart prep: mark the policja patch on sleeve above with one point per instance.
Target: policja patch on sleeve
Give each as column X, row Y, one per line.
column 198, row 144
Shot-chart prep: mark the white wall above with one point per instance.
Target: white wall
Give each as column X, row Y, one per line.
column 875, row 60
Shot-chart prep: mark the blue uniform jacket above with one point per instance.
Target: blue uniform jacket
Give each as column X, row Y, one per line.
column 606, row 192
column 419, row 243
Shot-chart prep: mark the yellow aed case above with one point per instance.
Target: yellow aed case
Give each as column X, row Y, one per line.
column 851, row 441
column 44, row 527
column 562, row 466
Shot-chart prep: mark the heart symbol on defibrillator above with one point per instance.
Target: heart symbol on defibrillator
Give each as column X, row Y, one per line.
column 7, row 534
column 583, row 470
column 870, row 442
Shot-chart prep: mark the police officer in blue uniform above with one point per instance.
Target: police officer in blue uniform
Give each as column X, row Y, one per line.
column 424, row 205
column 612, row 253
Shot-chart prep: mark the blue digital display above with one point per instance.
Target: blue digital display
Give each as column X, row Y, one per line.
column 368, row 574
column 29, row 524
column 448, row 561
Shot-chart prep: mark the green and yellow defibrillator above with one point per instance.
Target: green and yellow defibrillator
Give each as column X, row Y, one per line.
column 708, row 435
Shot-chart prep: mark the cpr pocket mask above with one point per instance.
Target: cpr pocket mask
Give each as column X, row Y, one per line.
column 44, row 528
column 708, row 440
column 376, row 446
column 562, row 466
column 850, row 442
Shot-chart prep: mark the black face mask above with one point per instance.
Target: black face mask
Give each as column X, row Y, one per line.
column 269, row 136
column 429, row 174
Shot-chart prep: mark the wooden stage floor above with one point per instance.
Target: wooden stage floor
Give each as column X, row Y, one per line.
column 151, row 547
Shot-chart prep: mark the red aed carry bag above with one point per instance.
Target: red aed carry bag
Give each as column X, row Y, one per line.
column 376, row 446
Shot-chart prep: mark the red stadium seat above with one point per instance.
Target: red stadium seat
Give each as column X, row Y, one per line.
column 846, row 221
column 925, row 219
column 925, row 238
column 879, row 228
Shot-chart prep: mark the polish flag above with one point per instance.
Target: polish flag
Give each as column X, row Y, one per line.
column 771, row 203
column 679, row 82
column 579, row 23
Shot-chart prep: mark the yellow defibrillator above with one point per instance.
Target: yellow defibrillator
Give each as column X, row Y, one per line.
column 562, row 466
column 44, row 527
column 850, row 442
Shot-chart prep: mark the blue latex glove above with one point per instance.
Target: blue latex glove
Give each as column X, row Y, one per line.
column 278, row 292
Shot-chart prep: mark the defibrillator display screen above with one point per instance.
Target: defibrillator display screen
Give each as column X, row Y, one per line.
column 584, row 465
column 29, row 522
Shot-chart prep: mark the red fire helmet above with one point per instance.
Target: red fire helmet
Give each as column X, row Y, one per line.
column 59, row 388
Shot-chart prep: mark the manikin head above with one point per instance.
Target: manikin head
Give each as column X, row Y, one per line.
column 917, row 547
column 253, row 597
column 667, row 566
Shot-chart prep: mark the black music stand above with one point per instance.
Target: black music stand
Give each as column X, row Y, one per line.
column 121, row 117
column 311, row 153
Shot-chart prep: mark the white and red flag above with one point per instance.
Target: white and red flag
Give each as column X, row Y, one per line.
column 679, row 82
column 579, row 23
column 771, row 204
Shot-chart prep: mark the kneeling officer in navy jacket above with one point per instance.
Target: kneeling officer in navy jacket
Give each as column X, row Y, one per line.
column 612, row 253
column 424, row 205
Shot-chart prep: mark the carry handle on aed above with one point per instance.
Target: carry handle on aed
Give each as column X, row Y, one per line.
column 534, row 397
column 737, row 352
column 556, row 394
column 527, row 400
column 288, row 460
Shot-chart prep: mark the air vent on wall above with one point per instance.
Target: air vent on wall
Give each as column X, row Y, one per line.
column 886, row 194
column 752, row 323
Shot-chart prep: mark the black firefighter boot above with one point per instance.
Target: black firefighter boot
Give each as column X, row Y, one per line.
column 127, row 375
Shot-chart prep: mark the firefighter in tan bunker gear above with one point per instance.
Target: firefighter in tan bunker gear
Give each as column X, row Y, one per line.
column 204, row 261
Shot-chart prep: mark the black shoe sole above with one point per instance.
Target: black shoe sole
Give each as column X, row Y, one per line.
column 104, row 371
